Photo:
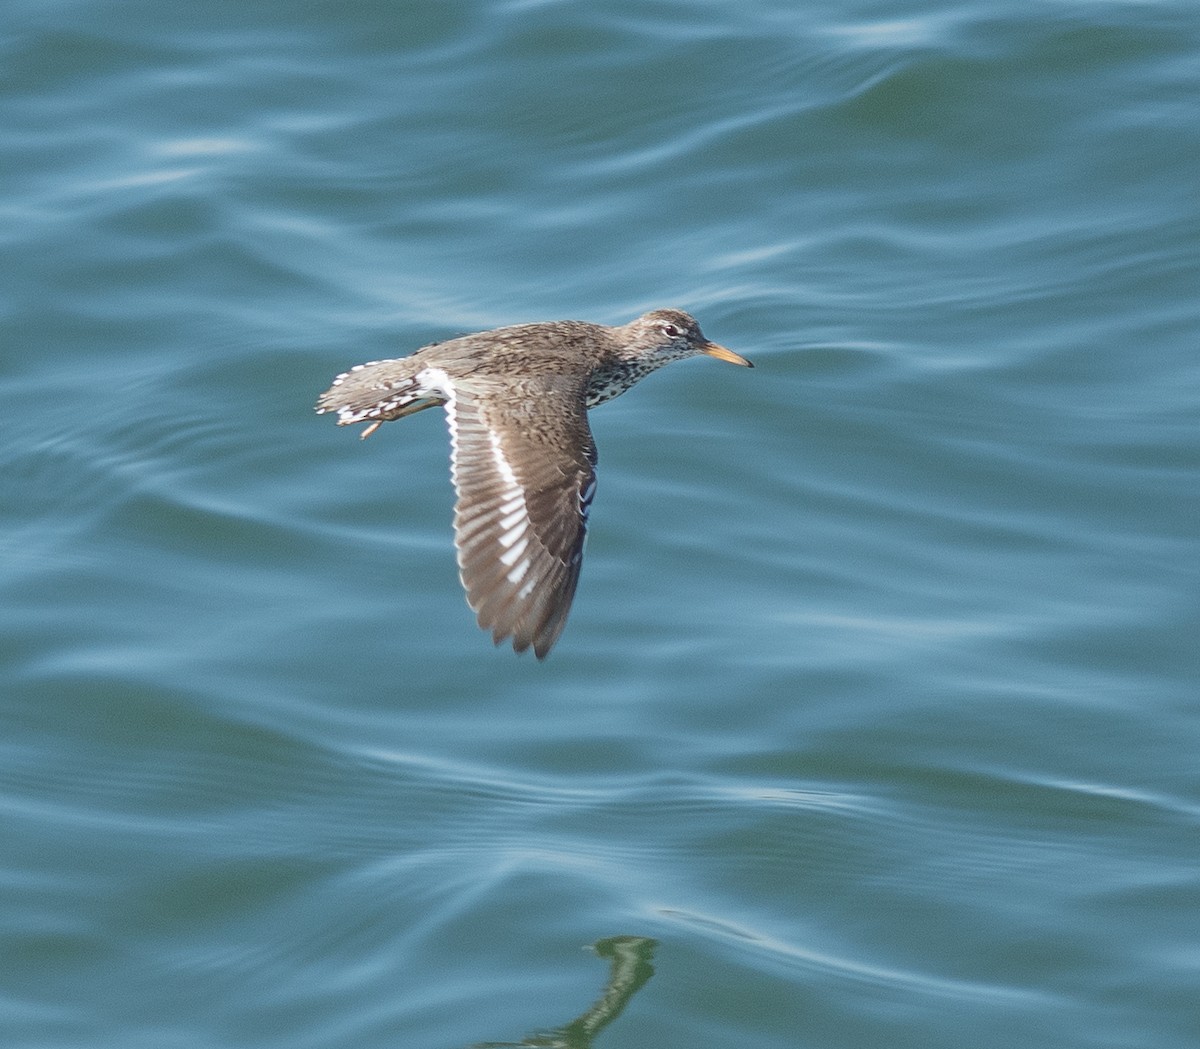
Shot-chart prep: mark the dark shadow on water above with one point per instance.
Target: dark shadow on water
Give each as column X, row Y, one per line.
column 630, row 969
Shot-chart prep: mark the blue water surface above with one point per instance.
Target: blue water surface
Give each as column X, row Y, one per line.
column 875, row 722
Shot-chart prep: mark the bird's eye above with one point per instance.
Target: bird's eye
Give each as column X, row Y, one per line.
column 671, row 331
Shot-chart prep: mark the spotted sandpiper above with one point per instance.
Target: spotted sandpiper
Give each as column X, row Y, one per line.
column 522, row 456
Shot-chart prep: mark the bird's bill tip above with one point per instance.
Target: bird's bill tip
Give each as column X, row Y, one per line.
column 722, row 354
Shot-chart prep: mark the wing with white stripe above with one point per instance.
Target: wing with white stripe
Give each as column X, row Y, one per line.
column 524, row 471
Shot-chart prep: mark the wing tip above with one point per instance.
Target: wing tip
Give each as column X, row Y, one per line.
column 541, row 636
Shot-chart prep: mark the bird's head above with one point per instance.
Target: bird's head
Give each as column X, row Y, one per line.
column 672, row 335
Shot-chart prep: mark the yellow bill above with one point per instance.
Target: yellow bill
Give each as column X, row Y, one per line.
column 722, row 354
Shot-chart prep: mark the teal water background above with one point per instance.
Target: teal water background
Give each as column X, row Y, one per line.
column 877, row 710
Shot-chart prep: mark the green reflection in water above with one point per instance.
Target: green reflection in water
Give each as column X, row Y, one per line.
column 631, row 968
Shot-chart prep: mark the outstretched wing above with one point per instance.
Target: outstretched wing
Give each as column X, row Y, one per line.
column 524, row 469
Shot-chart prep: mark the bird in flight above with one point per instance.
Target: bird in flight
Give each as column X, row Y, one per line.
column 522, row 456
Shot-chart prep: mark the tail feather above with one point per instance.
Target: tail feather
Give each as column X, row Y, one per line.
column 376, row 392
